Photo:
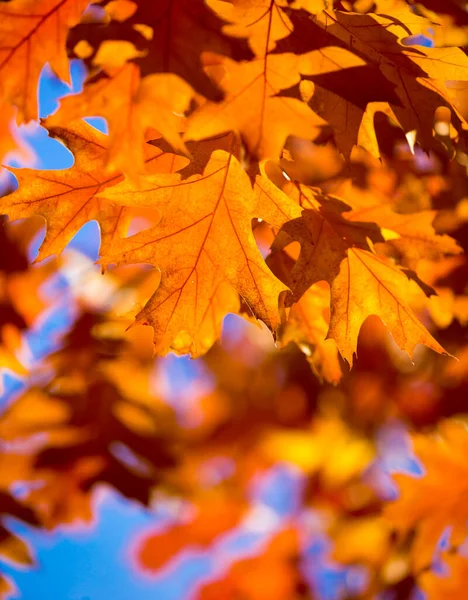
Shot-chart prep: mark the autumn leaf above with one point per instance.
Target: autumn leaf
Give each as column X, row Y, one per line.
column 308, row 322
column 200, row 245
column 433, row 502
column 32, row 33
column 67, row 199
column 413, row 72
column 171, row 38
column 131, row 106
column 410, row 237
column 254, row 107
column 257, row 103
column 386, row 292
column 341, row 252
column 450, row 584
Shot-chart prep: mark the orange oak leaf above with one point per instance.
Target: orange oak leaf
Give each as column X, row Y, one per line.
column 331, row 229
column 370, row 285
column 308, row 322
column 435, row 501
column 261, row 21
column 410, row 236
column 132, row 105
column 416, row 74
column 204, row 239
column 32, row 33
column 171, row 36
column 451, row 584
column 68, row 198
column 341, row 253
column 253, row 105
column 259, row 100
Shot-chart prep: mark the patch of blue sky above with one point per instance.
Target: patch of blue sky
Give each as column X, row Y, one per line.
column 12, row 385
column 95, row 562
column 280, row 489
column 426, row 41
column 181, row 382
column 419, row 40
column 47, row 152
column 43, row 338
column 330, row 581
column 394, row 455
column 98, row 123
column 51, row 88
column 394, row 448
column 87, row 240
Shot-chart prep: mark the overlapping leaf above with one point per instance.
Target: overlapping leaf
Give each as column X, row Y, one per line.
column 132, row 106
column 203, row 240
column 341, row 253
column 68, row 198
column 414, row 76
column 171, row 37
column 32, row 33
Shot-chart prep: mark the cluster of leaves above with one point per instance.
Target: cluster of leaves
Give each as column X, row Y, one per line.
column 300, row 163
column 224, row 92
